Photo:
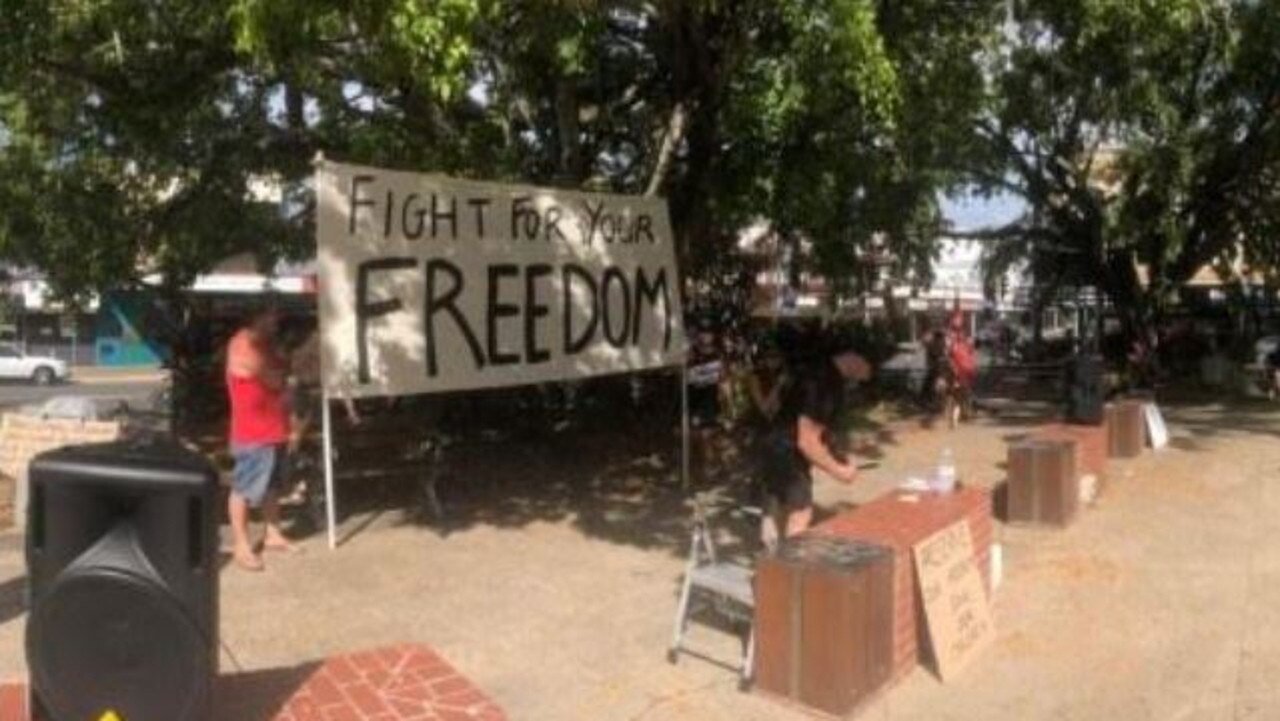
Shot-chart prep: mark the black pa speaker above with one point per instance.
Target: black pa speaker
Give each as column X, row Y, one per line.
column 122, row 545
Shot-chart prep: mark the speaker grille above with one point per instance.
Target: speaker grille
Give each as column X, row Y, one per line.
column 110, row 639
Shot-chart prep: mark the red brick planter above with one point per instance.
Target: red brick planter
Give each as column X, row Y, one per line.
column 899, row 524
column 1091, row 445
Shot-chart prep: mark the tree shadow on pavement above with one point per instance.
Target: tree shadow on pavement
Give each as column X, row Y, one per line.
column 12, row 599
column 258, row 694
column 1206, row 421
column 614, row 477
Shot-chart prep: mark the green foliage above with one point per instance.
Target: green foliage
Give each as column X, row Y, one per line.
column 130, row 138
column 1140, row 133
column 132, row 131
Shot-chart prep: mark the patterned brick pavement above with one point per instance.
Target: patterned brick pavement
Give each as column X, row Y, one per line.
column 400, row 683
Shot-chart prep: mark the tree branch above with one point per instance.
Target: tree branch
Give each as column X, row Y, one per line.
column 671, row 140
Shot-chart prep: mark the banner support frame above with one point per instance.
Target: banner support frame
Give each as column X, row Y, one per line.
column 330, row 504
column 684, row 427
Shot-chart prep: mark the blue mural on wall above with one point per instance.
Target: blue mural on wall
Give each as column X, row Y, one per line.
column 121, row 338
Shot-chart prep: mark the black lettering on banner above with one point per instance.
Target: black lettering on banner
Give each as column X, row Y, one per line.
column 497, row 310
column 533, row 310
column 572, row 344
column 649, row 292
column 554, row 215
column 525, row 220
column 619, row 339
column 437, row 215
column 447, row 302
column 413, row 230
column 357, row 201
column 481, row 206
column 388, row 212
column 367, row 310
column 644, row 227
column 593, row 219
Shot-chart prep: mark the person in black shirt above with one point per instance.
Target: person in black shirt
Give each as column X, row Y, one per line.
column 935, row 360
column 1273, row 373
column 801, row 438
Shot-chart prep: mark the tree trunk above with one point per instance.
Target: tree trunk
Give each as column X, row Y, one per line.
column 568, row 133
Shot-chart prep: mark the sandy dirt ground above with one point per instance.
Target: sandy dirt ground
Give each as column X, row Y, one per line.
column 554, row 585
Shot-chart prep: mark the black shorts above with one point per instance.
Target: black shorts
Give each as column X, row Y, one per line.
column 792, row 494
column 784, row 477
column 704, row 406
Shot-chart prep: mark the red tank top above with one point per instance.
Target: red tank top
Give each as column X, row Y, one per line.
column 259, row 414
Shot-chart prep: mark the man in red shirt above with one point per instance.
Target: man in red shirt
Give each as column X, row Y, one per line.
column 256, row 376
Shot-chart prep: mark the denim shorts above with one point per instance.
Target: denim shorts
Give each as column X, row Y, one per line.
column 258, row 470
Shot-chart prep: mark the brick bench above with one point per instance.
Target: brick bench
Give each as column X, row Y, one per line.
column 900, row 524
column 1091, row 444
column 399, row 683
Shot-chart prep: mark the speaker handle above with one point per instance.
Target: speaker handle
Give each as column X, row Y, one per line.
column 35, row 517
column 195, row 533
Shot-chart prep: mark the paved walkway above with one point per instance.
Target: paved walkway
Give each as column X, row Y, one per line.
column 95, row 375
column 1161, row 603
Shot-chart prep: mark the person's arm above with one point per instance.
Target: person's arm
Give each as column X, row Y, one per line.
column 766, row 403
column 274, row 373
column 809, row 439
column 353, row 414
column 244, row 361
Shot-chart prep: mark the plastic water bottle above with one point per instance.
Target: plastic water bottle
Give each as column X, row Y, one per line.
column 945, row 482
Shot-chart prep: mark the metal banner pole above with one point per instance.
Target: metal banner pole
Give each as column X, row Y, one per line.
column 684, row 426
column 329, row 500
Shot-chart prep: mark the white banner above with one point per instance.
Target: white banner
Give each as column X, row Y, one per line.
column 433, row 284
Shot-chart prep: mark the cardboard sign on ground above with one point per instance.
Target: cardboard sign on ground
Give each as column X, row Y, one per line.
column 25, row 437
column 956, row 606
column 1157, row 432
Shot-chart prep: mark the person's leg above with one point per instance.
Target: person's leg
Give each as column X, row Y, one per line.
column 242, row 550
column 769, row 526
column 799, row 505
column 245, row 476
column 798, row 520
column 275, row 538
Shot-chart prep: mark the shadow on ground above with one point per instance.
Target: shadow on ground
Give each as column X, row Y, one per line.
column 613, row 476
column 12, row 599
column 1207, row 420
column 258, row 694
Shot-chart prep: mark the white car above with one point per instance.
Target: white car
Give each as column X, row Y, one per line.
column 41, row 370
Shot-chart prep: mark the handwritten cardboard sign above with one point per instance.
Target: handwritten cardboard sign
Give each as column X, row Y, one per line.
column 1157, row 431
column 430, row 284
column 956, row 606
column 24, row 437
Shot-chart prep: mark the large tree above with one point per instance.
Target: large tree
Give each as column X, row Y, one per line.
column 132, row 130
column 1142, row 135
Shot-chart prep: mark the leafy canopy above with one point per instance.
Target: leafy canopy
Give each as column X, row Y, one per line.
column 133, row 133
column 1141, row 134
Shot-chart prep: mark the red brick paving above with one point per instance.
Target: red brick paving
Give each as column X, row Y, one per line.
column 399, row 683
column 13, row 702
